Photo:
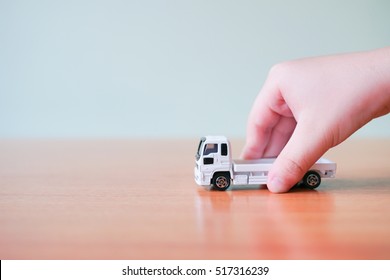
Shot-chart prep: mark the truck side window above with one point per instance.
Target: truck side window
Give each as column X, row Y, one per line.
column 224, row 150
column 210, row 148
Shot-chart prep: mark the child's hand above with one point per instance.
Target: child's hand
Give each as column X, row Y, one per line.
column 308, row 106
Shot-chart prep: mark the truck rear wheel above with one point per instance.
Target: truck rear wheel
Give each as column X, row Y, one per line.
column 311, row 179
column 221, row 181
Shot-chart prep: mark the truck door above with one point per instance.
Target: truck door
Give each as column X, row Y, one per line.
column 217, row 156
column 209, row 153
column 210, row 156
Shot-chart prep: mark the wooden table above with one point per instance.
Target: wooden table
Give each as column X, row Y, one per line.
column 136, row 199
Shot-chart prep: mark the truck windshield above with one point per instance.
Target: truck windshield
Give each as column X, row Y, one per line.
column 200, row 147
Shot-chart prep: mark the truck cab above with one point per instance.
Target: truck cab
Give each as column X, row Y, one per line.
column 213, row 157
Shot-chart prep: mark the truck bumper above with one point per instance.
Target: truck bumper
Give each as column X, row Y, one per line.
column 200, row 179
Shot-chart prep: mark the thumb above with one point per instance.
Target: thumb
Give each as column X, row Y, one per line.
column 305, row 147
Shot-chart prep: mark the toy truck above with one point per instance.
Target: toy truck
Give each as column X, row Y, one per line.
column 215, row 167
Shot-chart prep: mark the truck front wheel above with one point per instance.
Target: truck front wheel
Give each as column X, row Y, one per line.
column 221, row 181
column 311, row 179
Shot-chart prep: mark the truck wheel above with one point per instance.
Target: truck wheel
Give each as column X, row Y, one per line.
column 311, row 179
column 221, row 181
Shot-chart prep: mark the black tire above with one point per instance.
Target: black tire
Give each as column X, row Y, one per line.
column 221, row 181
column 311, row 180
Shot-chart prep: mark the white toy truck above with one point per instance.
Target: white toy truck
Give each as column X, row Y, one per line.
column 215, row 167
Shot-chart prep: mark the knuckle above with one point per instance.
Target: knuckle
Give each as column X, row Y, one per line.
column 281, row 69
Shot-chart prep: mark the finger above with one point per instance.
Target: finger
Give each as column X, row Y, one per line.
column 262, row 119
column 279, row 137
column 306, row 145
column 258, row 135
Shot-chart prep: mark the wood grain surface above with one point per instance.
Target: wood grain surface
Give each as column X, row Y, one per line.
column 136, row 199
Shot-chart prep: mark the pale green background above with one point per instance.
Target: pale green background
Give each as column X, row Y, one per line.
column 163, row 68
